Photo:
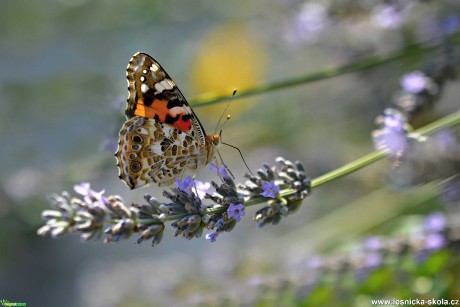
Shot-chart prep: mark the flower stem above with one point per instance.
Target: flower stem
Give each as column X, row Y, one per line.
column 410, row 51
column 447, row 121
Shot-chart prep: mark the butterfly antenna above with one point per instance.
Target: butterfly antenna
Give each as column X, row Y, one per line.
column 225, row 110
column 240, row 155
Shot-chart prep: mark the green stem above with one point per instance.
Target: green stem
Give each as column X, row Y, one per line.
column 445, row 122
column 411, row 51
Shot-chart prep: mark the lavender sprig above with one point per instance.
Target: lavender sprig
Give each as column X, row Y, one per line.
column 269, row 182
column 93, row 215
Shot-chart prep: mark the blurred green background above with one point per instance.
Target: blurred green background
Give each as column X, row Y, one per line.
column 63, row 91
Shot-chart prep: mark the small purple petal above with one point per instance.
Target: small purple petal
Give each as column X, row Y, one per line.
column 236, row 211
column 202, row 188
column 90, row 195
column 270, row 189
column 212, row 236
column 96, row 196
column 223, row 172
column 82, row 188
column 213, row 167
column 186, row 185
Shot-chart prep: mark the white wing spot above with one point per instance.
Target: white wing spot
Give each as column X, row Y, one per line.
column 142, row 78
column 144, row 71
column 144, row 88
column 166, row 84
column 171, row 83
column 159, row 87
column 154, row 67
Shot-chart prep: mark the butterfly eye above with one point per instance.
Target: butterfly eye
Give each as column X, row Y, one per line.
column 135, row 166
column 216, row 139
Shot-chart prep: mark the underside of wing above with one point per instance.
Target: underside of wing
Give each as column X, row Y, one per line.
column 150, row 151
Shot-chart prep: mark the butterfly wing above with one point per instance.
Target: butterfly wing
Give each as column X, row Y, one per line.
column 150, row 151
column 162, row 137
column 153, row 94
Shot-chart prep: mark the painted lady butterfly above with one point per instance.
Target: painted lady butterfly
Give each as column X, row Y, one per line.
column 162, row 137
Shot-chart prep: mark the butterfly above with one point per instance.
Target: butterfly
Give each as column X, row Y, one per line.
column 162, row 137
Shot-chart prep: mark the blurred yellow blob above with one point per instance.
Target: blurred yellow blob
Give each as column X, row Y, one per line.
column 228, row 59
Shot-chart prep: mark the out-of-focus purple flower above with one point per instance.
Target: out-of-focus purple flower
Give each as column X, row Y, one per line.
column 421, row 256
column 90, row 195
column 373, row 260
column 213, row 167
column 212, row 236
column 373, row 244
column 451, row 24
column 450, row 190
column 394, row 121
column 186, row 185
column 236, row 211
column 392, row 136
column 202, row 188
column 315, row 262
column 434, row 241
column 445, row 140
column 270, row 189
column 307, row 23
column 388, row 16
column 435, row 222
column 414, row 82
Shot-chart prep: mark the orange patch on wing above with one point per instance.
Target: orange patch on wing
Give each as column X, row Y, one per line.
column 159, row 108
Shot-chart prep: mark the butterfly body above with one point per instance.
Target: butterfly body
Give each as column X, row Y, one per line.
column 162, row 138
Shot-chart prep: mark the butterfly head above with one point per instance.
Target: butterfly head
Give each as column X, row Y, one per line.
column 215, row 138
column 212, row 142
